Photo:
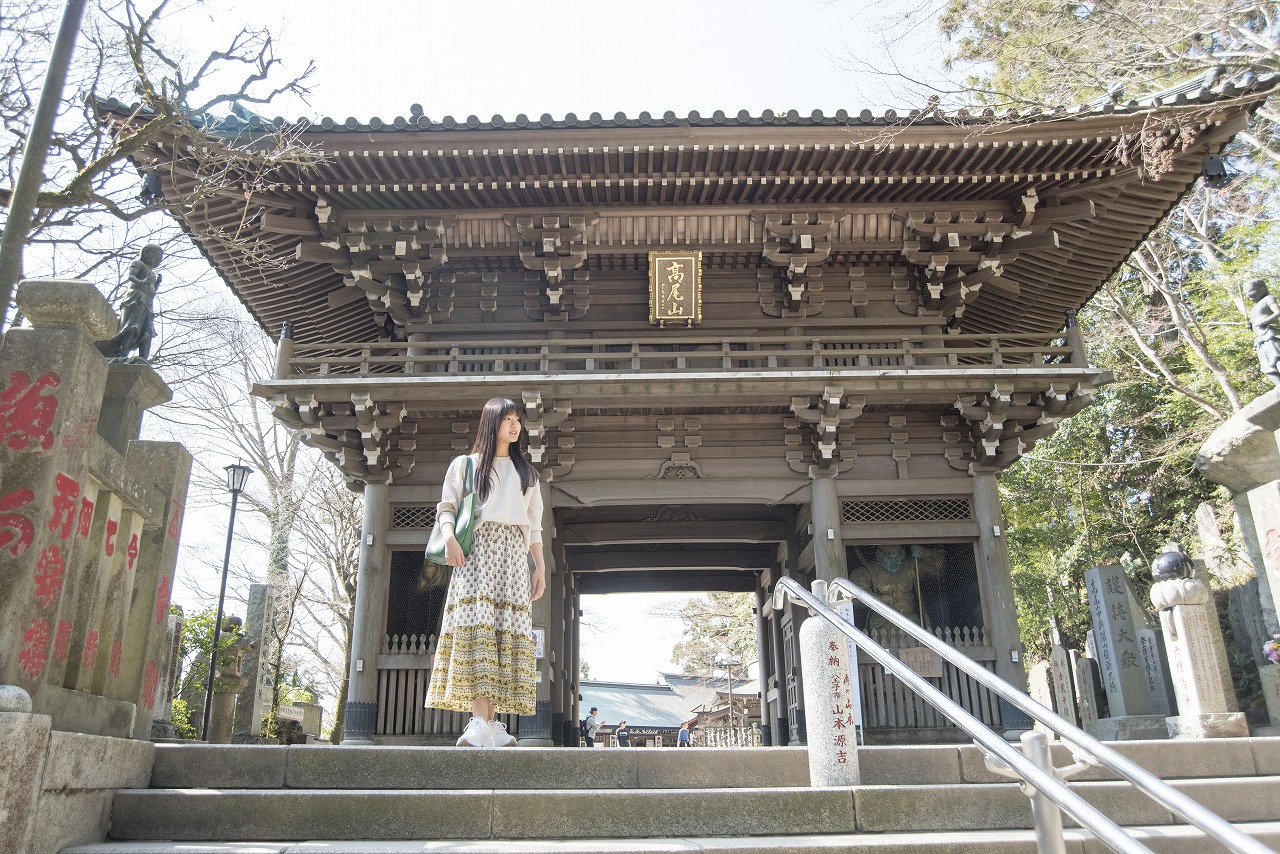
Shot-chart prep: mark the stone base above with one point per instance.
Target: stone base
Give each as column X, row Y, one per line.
column 1217, row 725
column 535, row 742
column 1269, row 675
column 1265, row 732
column 1129, row 728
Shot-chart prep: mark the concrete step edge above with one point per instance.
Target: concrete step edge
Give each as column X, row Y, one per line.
column 1178, row 838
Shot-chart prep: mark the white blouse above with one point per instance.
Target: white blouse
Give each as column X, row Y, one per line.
column 505, row 504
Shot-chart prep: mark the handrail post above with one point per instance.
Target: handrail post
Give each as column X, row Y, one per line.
column 1045, row 814
column 829, row 724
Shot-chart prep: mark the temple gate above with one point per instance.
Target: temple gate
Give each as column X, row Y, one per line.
column 746, row 348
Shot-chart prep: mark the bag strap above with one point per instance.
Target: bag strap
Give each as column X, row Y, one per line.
column 468, row 481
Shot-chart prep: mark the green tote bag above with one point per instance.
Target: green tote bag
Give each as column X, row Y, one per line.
column 464, row 528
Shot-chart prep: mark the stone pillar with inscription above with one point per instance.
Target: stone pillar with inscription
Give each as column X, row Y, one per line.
column 1196, row 652
column 1119, row 657
column 170, row 664
column 1243, row 454
column 828, row 700
column 253, row 703
column 89, row 517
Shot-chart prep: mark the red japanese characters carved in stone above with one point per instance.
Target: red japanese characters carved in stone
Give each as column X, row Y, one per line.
column 113, row 666
column 16, row 530
column 66, row 502
column 109, row 544
column 162, row 599
column 62, row 641
column 89, row 658
column 175, row 519
column 35, row 648
column 48, row 578
column 132, row 550
column 27, row 413
column 149, row 680
column 85, row 522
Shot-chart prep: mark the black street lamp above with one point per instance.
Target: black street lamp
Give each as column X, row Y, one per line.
column 236, row 476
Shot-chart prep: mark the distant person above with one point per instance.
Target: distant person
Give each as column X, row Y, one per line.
column 623, row 734
column 685, row 738
column 590, row 726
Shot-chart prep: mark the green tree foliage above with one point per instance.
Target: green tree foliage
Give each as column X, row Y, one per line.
column 717, row 625
column 194, row 650
column 1118, row 480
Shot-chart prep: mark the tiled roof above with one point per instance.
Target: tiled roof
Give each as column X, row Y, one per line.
column 1203, row 90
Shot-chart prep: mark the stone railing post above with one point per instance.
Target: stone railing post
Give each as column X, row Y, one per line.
column 828, row 701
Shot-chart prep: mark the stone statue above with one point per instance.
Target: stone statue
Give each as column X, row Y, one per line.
column 894, row 578
column 1266, row 334
column 136, row 315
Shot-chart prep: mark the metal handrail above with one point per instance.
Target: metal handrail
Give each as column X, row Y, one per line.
column 1042, row 781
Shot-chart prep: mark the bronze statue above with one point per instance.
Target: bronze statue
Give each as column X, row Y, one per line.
column 894, row 577
column 1266, row 334
column 136, row 314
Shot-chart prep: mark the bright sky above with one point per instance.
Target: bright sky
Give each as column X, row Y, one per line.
column 376, row 58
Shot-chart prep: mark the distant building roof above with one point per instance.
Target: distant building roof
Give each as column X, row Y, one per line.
column 639, row 705
column 702, row 691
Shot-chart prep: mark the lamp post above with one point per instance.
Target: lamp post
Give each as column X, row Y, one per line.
column 236, row 476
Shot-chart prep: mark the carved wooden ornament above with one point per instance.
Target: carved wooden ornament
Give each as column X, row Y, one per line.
column 675, row 288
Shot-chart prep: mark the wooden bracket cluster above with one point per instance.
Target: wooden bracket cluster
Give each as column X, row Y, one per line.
column 1004, row 426
column 825, row 418
column 369, row 442
column 541, row 423
column 553, row 247
column 386, row 261
column 795, row 245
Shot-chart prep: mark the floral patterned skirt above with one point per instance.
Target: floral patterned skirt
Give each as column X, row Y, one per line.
column 485, row 647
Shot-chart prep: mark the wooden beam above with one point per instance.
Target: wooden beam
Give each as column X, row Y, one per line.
column 280, row 224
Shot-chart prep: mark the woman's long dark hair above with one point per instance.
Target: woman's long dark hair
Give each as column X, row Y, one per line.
column 486, row 445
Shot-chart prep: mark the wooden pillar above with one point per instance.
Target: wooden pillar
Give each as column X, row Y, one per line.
column 765, row 660
column 995, row 581
column 825, row 515
column 535, row 729
column 573, row 662
column 373, row 580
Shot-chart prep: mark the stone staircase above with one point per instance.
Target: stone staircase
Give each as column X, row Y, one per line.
column 207, row 799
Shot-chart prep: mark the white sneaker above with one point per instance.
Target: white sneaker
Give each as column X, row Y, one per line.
column 501, row 738
column 476, row 734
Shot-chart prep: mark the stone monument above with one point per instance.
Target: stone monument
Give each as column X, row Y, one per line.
column 1119, row 656
column 1196, row 652
column 1243, row 454
column 255, row 702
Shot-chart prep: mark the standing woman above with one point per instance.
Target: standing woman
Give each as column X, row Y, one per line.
column 484, row 657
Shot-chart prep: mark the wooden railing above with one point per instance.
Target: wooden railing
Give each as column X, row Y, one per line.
column 888, row 704
column 681, row 353
column 404, row 672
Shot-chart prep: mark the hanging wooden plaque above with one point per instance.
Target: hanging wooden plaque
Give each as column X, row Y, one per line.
column 675, row 288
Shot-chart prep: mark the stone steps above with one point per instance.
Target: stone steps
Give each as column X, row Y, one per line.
column 1165, row 840
column 392, row 800
column 248, row 814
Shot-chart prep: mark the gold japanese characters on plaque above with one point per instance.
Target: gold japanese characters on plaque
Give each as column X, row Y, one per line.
column 675, row 288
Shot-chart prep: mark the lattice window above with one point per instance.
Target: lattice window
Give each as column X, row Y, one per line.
column 916, row 510
column 413, row 517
